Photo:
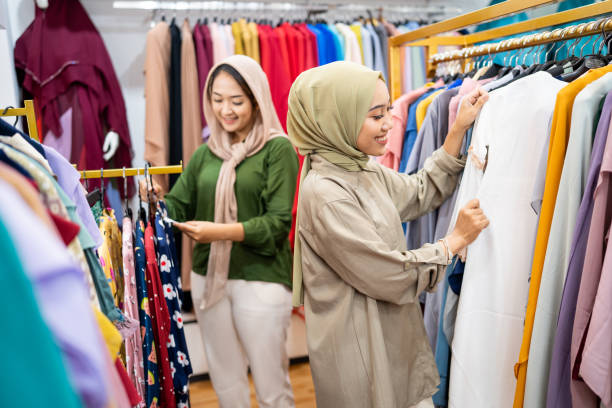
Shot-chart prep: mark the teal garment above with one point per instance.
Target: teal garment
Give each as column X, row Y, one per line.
column 265, row 187
column 34, row 374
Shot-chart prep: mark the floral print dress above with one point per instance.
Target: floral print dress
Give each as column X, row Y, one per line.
column 170, row 279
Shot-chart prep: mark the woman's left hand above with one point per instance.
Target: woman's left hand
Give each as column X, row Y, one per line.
column 200, row 231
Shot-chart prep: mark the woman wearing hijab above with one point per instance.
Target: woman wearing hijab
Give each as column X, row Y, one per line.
column 366, row 337
column 235, row 199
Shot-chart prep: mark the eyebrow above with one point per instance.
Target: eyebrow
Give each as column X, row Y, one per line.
column 233, row 96
column 376, row 107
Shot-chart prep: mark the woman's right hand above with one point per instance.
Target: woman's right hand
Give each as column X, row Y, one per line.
column 470, row 222
column 154, row 192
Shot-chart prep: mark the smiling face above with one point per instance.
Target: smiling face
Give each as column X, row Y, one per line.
column 372, row 137
column 232, row 107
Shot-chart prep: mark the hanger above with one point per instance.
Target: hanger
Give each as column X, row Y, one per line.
column 127, row 209
column 588, row 62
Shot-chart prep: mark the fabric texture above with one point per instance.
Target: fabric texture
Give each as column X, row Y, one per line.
column 133, row 345
column 180, row 364
column 149, row 348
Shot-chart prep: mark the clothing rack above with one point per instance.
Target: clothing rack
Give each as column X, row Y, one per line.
column 547, row 37
column 28, row 112
column 132, row 171
column 429, row 37
column 285, row 10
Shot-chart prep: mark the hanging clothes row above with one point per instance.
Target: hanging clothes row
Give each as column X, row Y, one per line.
column 103, row 344
column 178, row 61
column 533, row 288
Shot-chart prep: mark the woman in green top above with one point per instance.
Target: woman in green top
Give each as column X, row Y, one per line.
column 234, row 199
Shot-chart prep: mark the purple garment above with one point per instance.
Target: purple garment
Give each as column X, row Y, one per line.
column 54, row 276
column 69, row 180
column 559, row 395
column 62, row 142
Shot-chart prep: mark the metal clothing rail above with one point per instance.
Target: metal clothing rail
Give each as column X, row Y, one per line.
column 28, row 112
column 567, row 33
column 429, row 36
column 132, row 171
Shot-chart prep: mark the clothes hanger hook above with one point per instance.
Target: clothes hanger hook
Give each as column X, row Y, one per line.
column 603, row 34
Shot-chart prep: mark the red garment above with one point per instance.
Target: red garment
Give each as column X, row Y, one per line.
column 204, row 64
column 208, row 45
column 67, row 229
column 283, row 47
column 59, row 51
column 276, row 70
column 292, row 42
column 312, row 51
column 129, row 387
column 160, row 318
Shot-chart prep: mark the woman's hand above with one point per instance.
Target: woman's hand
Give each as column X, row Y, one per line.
column 206, row 232
column 154, row 191
column 470, row 222
column 471, row 106
column 469, row 109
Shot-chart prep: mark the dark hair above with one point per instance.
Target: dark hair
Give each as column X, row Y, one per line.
column 236, row 75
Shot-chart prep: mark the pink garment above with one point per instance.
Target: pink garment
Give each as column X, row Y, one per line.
column 133, row 345
column 61, row 143
column 395, row 142
column 217, row 35
column 117, row 395
column 591, row 353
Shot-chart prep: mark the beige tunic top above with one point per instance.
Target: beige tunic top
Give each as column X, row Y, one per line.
column 365, row 331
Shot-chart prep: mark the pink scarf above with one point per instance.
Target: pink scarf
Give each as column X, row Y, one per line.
column 266, row 127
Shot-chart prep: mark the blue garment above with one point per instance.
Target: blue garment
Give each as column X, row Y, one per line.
column 442, row 351
column 455, row 277
column 411, row 131
column 333, row 50
column 149, row 353
column 321, row 44
column 340, row 39
column 171, row 284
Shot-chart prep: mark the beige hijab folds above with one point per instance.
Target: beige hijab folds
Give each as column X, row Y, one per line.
column 266, row 127
column 327, row 107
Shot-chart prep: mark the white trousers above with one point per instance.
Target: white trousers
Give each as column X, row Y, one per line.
column 248, row 327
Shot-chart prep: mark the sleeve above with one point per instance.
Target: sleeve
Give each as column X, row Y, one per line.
column 422, row 192
column 345, row 237
column 181, row 200
column 263, row 233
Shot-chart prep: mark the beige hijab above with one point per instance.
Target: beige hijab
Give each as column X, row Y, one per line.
column 327, row 107
column 266, row 127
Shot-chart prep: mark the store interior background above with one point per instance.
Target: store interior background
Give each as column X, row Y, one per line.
column 124, row 32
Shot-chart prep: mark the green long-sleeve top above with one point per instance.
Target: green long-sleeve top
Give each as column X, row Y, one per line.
column 265, row 187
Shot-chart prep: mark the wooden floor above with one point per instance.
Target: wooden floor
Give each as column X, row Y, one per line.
column 202, row 394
